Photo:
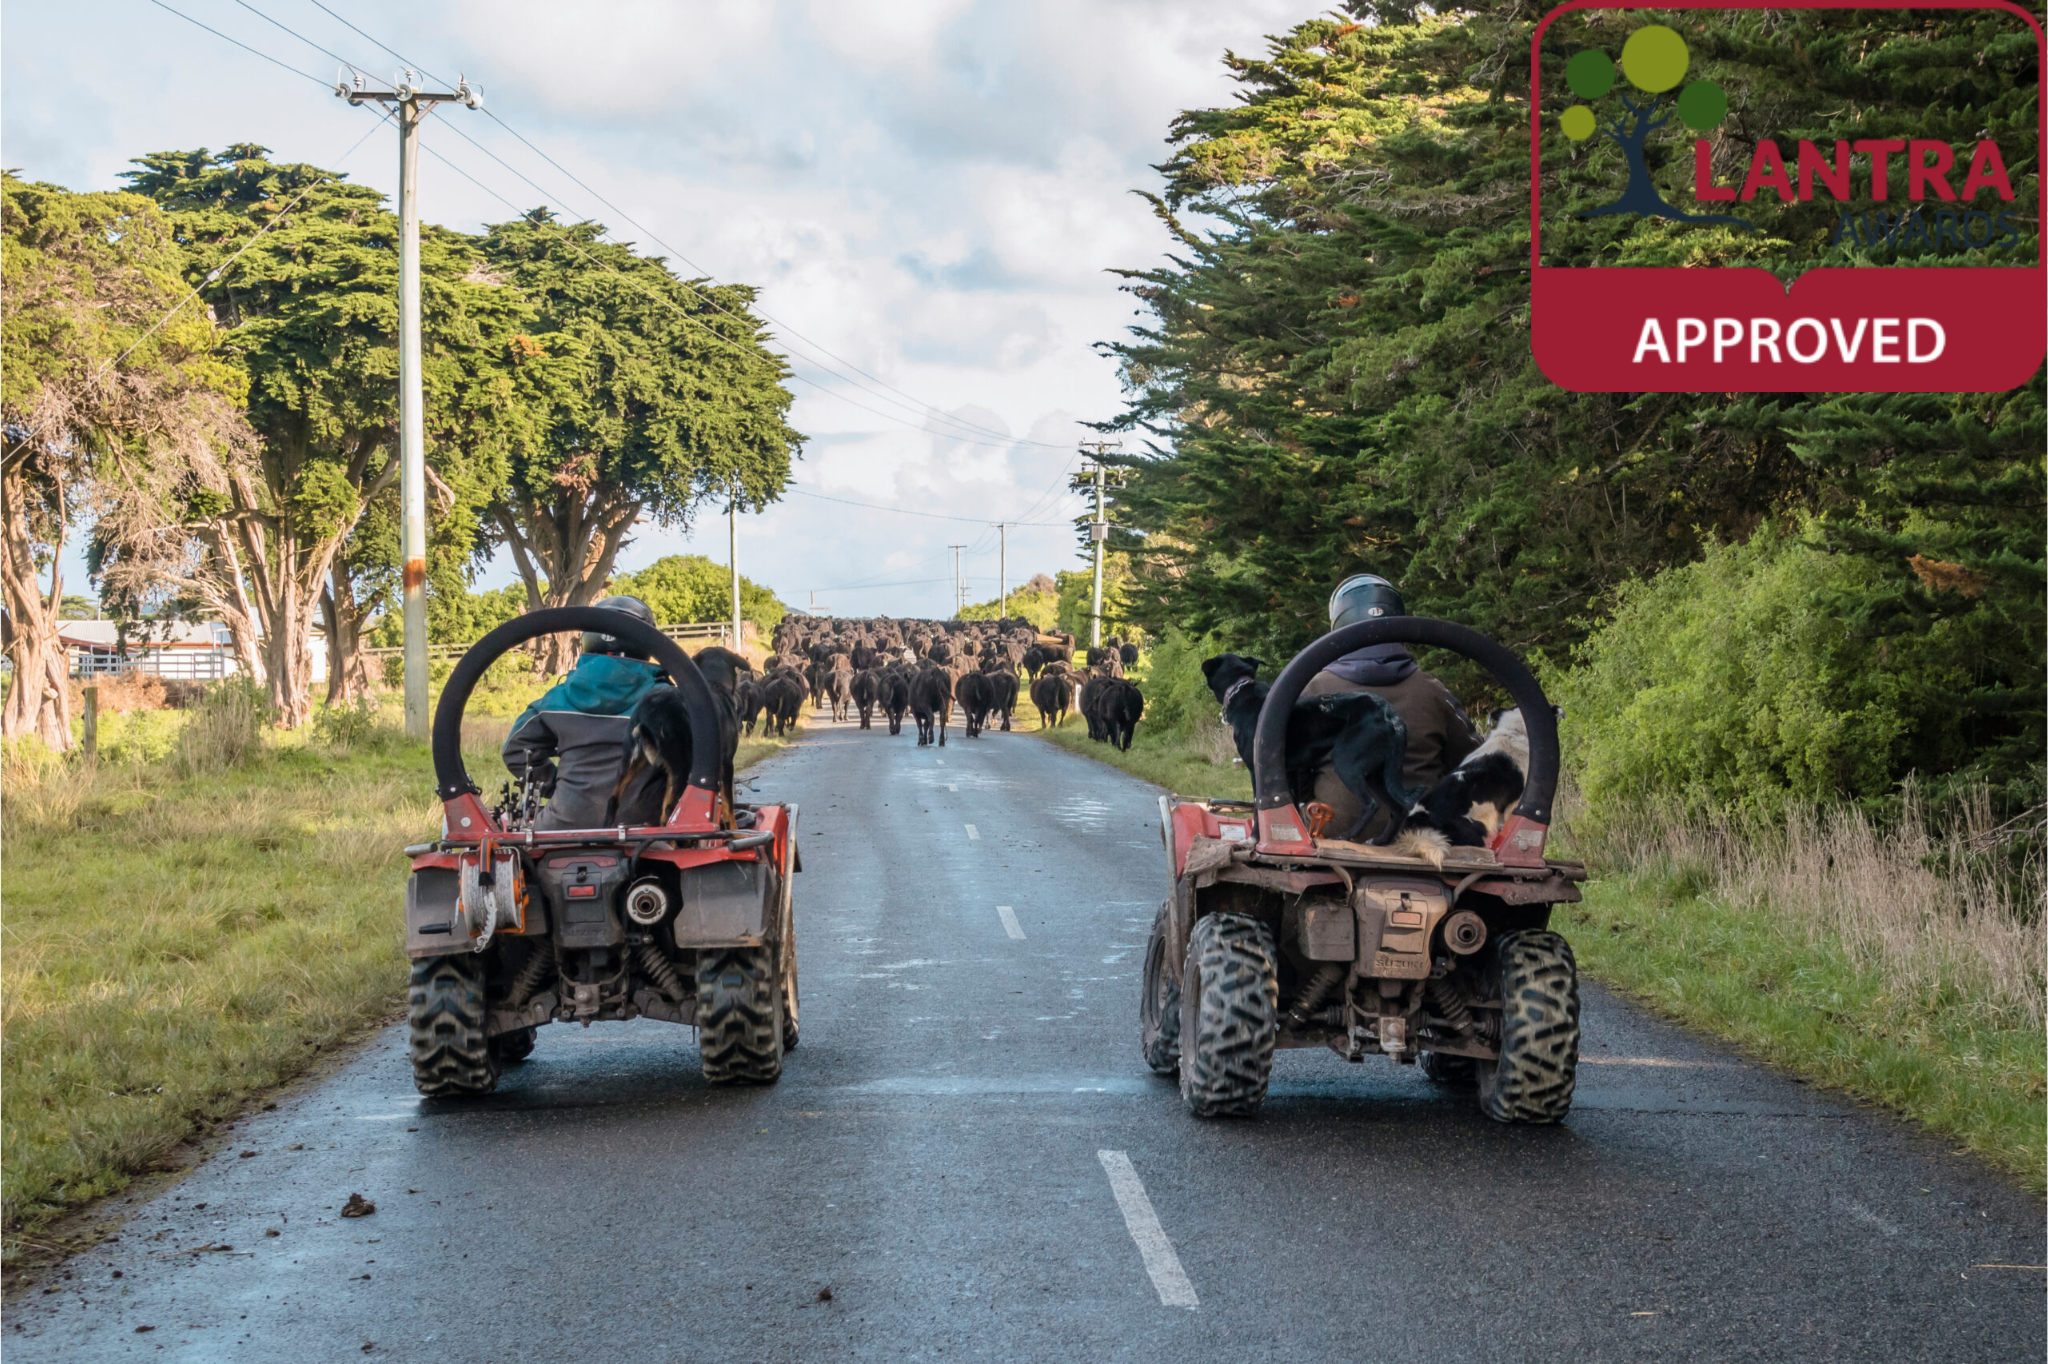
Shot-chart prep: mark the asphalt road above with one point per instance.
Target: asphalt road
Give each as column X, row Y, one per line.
column 969, row 1154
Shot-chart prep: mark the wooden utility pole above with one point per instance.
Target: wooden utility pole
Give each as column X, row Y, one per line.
column 413, row 105
column 1098, row 530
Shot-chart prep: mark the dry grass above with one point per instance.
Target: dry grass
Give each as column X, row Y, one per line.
column 1902, row 962
column 1937, row 915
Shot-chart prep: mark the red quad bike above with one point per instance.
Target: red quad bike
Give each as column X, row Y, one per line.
column 1277, row 938
column 510, row 928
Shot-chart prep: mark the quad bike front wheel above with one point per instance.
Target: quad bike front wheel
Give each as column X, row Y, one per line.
column 739, row 1015
column 1539, row 1031
column 1229, row 1016
column 445, row 1015
column 1159, row 1002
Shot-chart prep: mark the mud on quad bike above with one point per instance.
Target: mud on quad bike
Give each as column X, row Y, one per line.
column 1274, row 937
column 510, row 928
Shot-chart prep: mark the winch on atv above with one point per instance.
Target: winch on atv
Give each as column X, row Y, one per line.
column 510, row 927
column 1276, row 937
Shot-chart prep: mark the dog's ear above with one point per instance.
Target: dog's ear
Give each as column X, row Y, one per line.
column 1257, row 665
column 1210, row 665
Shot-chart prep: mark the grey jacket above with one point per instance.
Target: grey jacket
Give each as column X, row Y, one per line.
column 579, row 729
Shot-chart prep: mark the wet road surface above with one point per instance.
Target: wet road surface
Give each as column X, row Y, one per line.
column 966, row 1158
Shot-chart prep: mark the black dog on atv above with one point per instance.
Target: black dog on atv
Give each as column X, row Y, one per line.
column 659, row 734
column 1357, row 733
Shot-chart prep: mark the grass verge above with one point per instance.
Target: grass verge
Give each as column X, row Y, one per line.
column 178, row 938
column 1869, row 961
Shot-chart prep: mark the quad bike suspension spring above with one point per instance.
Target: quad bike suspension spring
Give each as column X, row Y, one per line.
column 661, row 971
column 1319, row 987
column 1449, row 1002
column 540, row 965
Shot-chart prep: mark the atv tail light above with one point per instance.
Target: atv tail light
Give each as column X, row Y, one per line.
column 582, row 892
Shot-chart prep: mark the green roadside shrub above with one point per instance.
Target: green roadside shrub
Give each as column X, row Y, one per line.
column 1742, row 681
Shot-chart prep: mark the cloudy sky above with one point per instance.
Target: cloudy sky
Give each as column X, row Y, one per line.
column 929, row 191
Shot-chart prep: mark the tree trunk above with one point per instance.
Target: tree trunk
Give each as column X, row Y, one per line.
column 348, row 672
column 38, row 701
column 574, row 540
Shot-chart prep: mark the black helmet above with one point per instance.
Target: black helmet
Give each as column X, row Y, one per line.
column 595, row 643
column 1364, row 596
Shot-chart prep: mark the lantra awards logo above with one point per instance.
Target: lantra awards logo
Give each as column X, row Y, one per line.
column 1926, row 325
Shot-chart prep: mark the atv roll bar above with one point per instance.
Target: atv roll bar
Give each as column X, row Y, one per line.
column 453, row 777
column 1281, row 828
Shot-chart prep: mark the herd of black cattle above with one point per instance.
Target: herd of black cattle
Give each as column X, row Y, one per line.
column 924, row 668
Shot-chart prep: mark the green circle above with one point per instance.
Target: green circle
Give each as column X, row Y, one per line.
column 1702, row 105
column 1590, row 74
column 1654, row 58
column 1577, row 123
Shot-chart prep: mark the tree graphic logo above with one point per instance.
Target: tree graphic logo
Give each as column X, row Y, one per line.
column 1654, row 60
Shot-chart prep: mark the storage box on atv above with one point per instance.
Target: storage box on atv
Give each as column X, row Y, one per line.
column 510, row 928
column 1273, row 937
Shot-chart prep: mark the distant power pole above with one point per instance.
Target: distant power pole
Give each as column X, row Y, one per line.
column 1003, row 569
column 1098, row 532
column 959, row 589
column 732, row 555
column 413, row 105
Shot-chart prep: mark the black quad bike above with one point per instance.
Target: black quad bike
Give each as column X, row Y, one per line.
column 1274, row 937
column 510, row 927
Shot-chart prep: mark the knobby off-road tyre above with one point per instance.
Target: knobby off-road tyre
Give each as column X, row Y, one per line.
column 1230, row 1015
column 1159, row 1002
column 1539, row 1026
column 516, row 1045
column 739, row 1015
column 445, row 1011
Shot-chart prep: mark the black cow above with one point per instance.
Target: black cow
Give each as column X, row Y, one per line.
column 865, row 689
column 972, row 691
column 931, row 703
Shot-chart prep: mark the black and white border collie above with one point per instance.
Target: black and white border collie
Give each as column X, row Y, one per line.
column 1471, row 802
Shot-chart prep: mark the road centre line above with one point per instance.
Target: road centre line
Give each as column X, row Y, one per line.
column 1010, row 924
column 1154, row 1248
column 973, row 832
column 951, row 787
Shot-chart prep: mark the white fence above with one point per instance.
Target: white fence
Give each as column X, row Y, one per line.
column 204, row 664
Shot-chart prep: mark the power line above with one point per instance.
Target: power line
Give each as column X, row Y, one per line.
column 238, row 43
column 296, row 34
column 905, row 511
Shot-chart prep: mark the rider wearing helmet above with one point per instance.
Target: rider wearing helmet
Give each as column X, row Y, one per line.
column 573, row 740
column 1439, row 735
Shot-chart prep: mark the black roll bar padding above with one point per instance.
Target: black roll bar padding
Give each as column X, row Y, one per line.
column 453, row 777
column 1269, row 741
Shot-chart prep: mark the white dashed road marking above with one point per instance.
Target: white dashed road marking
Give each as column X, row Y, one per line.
column 951, row 787
column 973, row 832
column 1153, row 1247
column 1010, row 924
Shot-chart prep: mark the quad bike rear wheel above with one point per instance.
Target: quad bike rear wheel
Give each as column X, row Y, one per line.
column 1159, row 1002
column 445, row 1013
column 739, row 1015
column 1539, row 1030
column 1230, row 1016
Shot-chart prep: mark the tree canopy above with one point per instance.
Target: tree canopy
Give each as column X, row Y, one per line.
column 1336, row 372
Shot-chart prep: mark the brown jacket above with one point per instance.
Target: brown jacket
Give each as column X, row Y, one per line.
column 1439, row 738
